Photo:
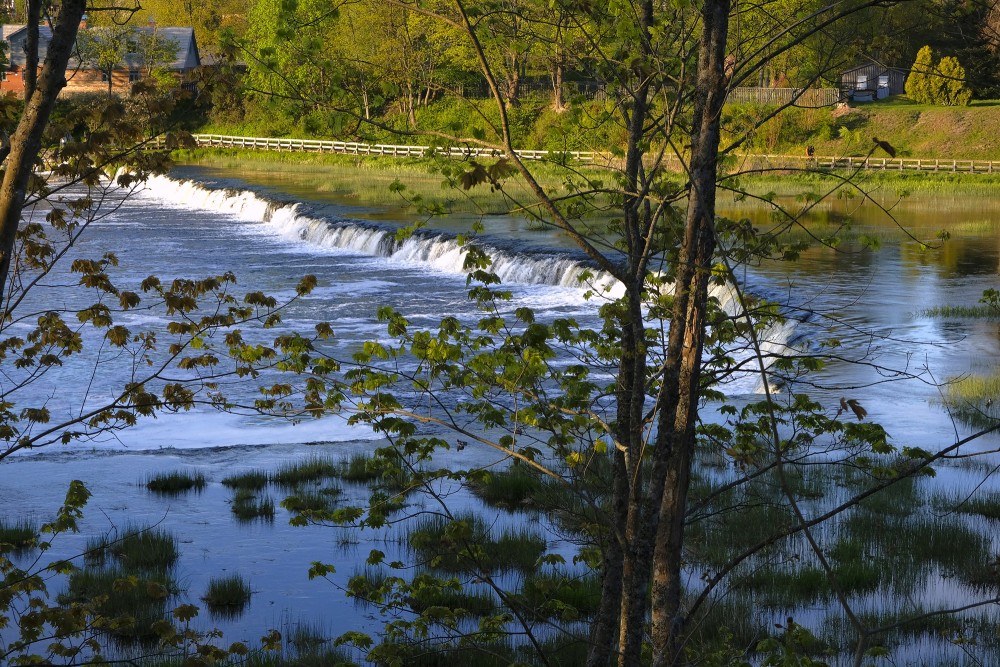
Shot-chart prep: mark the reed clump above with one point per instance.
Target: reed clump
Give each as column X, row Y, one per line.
column 174, row 482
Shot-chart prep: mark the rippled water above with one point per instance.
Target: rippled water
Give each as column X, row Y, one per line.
column 270, row 234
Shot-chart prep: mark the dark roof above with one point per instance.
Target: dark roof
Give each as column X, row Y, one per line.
column 869, row 65
column 187, row 47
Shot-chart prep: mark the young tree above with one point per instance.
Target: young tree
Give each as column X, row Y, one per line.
column 104, row 49
column 953, row 90
column 922, row 84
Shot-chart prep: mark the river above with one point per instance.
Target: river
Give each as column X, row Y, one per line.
column 271, row 230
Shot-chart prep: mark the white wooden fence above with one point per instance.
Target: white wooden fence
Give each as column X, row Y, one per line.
column 808, row 97
column 354, row 148
column 748, row 163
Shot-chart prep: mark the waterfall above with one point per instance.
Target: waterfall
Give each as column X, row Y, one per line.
column 438, row 251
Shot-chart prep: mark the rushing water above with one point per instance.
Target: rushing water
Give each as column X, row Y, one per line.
column 270, row 235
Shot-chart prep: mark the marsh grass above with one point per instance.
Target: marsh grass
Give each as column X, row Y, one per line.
column 246, row 506
column 312, row 500
column 560, row 596
column 783, row 587
column 516, row 486
column 227, row 596
column 982, row 312
column 145, row 548
column 358, row 468
column 468, row 544
column 176, row 481
column 253, row 480
column 460, row 600
column 729, row 623
column 984, row 504
column 134, row 602
column 973, row 389
column 17, row 536
column 296, row 473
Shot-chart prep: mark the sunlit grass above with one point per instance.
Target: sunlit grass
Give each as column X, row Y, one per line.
column 469, row 544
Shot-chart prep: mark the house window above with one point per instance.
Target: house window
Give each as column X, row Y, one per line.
column 134, row 75
column 862, row 82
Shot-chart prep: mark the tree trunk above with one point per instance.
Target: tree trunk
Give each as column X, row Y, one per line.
column 34, row 16
column 556, row 75
column 27, row 139
column 674, row 451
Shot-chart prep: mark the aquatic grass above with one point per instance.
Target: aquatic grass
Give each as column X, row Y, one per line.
column 984, row 504
column 175, row 482
column 358, row 468
column 227, row 596
column 962, row 312
column 307, row 501
column 17, row 536
column 246, row 506
column 728, row 623
column 972, row 389
column 784, row 587
column 468, row 544
column 462, row 602
column 312, row 469
column 253, row 480
column 131, row 604
column 516, row 486
column 144, row 547
column 553, row 595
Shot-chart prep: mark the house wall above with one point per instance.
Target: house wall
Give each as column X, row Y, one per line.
column 897, row 78
column 12, row 82
column 91, row 81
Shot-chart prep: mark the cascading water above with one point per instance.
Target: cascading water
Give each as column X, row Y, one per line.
column 423, row 249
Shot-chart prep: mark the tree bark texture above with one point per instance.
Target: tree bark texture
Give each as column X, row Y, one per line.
column 676, row 433
column 27, row 139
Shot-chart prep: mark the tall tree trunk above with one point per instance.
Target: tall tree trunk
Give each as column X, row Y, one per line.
column 674, row 451
column 33, row 18
column 27, row 139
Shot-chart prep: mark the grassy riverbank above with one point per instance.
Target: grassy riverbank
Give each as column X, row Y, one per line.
column 430, row 184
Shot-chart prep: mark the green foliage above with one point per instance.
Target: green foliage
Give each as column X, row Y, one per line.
column 298, row 472
column 937, row 82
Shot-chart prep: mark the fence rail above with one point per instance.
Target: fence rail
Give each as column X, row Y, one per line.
column 355, row 148
column 749, row 163
column 954, row 166
column 808, row 97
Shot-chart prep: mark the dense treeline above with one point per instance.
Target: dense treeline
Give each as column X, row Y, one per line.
column 332, row 68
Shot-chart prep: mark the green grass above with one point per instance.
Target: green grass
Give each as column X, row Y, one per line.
column 358, row 468
column 312, row 469
column 227, row 596
column 133, row 603
column 469, row 544
column 962, row 312
column 515, row 487
column 253, row 480
column 984, row 504
column 247, row 506
column 175, row 482
column 312, row 500
column 144, row 548
column 17, row 536
column 560, row 596
column 783, row 587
